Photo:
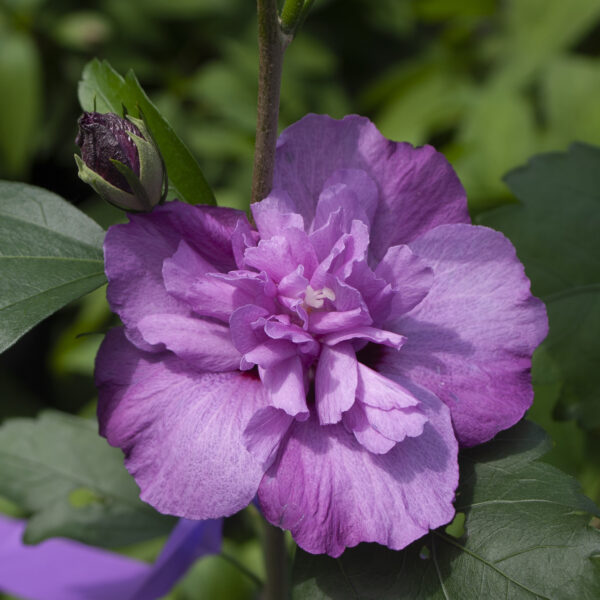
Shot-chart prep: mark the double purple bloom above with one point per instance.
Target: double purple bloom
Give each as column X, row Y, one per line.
column 332, row 358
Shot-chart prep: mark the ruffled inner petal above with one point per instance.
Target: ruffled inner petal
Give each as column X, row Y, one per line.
column 247, row 330
column 284, row 384
column 270, row 353
column 353, row 192
column 379, row 391
column 356, row 422
column 328, row 322
column 335, row 382
column 369, row 334
column 347, row 250
column 274, row 256
column 265, row 431
column 409, row 276
column 275, row 214
column 396, row 423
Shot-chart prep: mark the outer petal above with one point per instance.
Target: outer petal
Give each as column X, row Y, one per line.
column 205, row 345
column 417, row 186
column 181, row 430
column 134, row 255
column 332, row 493
column 471, row 339
column 182, row 270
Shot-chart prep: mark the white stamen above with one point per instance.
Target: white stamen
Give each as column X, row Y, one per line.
column 316, row 298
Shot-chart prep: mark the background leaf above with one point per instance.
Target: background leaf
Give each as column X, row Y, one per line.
column 526, row 535
column 555, row 231
column 50, row 254
column 101, row 86
column 537, row 30
column 73, row 483
column 497, row 133
column 20, row 101
column 570, row 86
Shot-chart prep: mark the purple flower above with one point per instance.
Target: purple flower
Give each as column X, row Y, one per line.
column 60, row 569
column 332, row 358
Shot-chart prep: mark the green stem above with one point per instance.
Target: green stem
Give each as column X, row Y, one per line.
column 276, row 587
column 272, row 43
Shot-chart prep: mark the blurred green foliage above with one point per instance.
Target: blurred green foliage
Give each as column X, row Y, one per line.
column 488, row 82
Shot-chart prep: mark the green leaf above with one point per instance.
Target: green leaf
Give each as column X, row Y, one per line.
column 526, row 537
column 568, row 452
column 50, row 254
column 555, row 231
column 103, row 89
column 73, row 483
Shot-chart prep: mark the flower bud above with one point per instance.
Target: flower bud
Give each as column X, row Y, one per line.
column 120, row 160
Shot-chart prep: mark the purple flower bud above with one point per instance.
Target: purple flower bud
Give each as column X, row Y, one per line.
column 121, row 161
column 103, row 137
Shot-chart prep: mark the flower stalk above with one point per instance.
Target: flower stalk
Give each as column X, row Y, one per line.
column 272, row 43
column 274, row 35
column 276, row 563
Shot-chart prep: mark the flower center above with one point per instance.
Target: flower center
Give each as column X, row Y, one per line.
column 316, row 298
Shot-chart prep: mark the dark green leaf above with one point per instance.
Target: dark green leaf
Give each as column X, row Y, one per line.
column 103, row 89
column 50, row 254
column 73, row 483
column 556, row 233
column 526, row 537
